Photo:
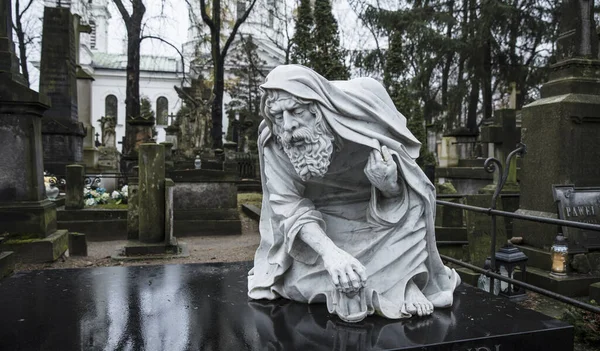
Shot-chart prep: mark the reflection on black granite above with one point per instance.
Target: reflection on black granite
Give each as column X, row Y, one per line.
column 286, row 325
column 205, row 307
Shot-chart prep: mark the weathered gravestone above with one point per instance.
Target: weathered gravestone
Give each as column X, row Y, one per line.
column 561, row 129
column 27, row 217
column 154, row 198
column 61, row 130
column 580, row 205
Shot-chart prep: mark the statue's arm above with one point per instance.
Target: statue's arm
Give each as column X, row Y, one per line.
column 302, row 225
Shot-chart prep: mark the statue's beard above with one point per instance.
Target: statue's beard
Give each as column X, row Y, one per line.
column 309, row 151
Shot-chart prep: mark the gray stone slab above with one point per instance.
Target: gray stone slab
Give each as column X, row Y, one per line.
column 32, row 250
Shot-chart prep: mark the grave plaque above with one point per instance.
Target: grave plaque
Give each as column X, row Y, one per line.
column 579, row 204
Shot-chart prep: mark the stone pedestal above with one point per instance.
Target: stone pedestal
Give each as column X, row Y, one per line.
column 154, row 202
column 205, row 203
column 562, row 129
column 62, row 132
column 563, row 141
column 28, row 218
column 84, row 110
column 75, row 186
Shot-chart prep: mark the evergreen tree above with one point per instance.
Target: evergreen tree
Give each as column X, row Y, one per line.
column 302, row 40
column 327, row 58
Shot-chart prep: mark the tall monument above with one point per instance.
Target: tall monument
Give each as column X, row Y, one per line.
column 562, row 129
column 26, row 215
column 62, row 132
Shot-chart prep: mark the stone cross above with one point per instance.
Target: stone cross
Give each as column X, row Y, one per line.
column 172, row 117
column 512, row 102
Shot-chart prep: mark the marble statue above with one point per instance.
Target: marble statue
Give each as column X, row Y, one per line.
column 347, row 216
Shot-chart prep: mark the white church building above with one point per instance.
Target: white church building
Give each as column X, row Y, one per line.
column 158, row 73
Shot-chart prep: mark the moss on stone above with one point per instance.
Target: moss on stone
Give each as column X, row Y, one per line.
column 111, row 206
column 13, row 239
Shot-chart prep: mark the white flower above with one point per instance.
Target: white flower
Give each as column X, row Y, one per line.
column 125, row 189
column 115, row 195
column 105, row 196
column 94, row 193
column 86, row 191
column 90, row 202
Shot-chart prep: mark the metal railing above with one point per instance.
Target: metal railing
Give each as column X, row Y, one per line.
column 491, row 165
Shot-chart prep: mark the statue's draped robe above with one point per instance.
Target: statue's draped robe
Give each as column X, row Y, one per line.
column 393, row 238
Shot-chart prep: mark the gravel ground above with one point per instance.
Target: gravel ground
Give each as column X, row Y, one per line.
column 226, row 248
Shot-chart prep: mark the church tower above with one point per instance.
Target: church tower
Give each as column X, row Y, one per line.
column 99, row 23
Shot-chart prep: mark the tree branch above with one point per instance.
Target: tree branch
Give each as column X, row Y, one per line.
column 236, row 26
column 209, row 22
column 25, row 9
column 123, row 11
column 171, row 45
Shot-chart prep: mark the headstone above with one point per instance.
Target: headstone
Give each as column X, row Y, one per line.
column 154, row 238
column 75, row 186
column 133, row 224
column 561, row 129
column 579, row 205
column 61, row 130
column 151, row 193
column 25, row 213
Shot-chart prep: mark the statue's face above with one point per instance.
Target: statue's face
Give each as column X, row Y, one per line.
column 292, row 120
column 303, row 135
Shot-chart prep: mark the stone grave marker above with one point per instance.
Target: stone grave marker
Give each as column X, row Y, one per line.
column 579, row 204
column 62, row 132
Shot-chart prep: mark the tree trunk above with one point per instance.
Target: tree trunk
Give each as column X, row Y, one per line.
column 133, row 135
column 22, row 51
column 217, row 107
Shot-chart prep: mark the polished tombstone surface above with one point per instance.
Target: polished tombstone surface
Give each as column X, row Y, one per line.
column 205, row 307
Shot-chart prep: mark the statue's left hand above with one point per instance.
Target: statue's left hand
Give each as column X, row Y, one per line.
column 382, row 172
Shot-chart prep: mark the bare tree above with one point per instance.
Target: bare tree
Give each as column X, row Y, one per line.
column 23, row 38
column 219, row 53
column 133, row 25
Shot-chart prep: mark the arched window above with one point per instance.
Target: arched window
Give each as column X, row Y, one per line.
column 110, row 107
column 162, row 111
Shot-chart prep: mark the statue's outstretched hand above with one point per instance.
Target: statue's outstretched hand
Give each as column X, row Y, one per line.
column 382, row 172
column 347, row 273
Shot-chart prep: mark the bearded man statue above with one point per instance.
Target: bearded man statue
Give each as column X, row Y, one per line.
column 347, row 215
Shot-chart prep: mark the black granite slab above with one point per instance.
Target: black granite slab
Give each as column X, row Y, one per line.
column 204, row 307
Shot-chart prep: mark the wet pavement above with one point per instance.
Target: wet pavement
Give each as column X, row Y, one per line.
column 205, row 307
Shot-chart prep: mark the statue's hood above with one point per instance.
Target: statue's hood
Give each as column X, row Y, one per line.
column 359, row 110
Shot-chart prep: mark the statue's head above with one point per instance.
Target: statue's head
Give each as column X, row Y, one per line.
column 302, row 132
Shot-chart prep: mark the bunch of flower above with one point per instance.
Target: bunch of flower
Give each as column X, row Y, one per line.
column 121, row 197
column 96, row 196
